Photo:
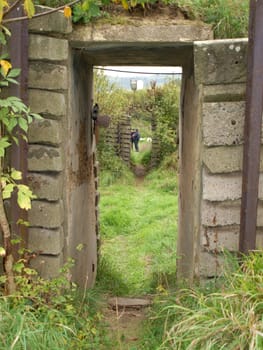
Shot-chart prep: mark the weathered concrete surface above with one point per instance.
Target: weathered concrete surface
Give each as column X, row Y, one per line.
column 225, row 213
column 223, row 123
column 225, row 187
column 216, row 239
column 45, row 131
column 220, row 61
column 47, row 103
column 46, row 214
column 43, row 75
column 53, row 23
column 210, row 265
column 44, row 241
column 47, row 266
column 47, row 48
column 222, row 93
column 143, row 30
column 47, row 187
column 44, row 158
column 225, row 159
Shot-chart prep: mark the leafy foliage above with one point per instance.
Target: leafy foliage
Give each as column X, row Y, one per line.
column 166, row 114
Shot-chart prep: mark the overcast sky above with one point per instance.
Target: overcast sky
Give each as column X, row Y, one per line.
column 138, row 69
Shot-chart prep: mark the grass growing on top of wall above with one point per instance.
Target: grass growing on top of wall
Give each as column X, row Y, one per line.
column 138, row 229
column 229, row 18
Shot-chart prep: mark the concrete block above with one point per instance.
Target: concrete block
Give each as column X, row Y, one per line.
column 211, row 265
column 223, row 159
column 223, row 93
column 44, row 158
column 46, row 214
column 47, row 266
column 221, row 187
column 52, row 23
column 45, row 241
column 45, row 131
column 225, row 187
column 220, row 61
column 216, row 239
column 47, row 48
column 47, row 76
column 223, row 123
column 48, row 103
column 148, row 30
column 225, row 213
column 44, row 186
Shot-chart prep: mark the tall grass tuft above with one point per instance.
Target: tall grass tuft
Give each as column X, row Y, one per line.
column 231, row 319
column 229, row 18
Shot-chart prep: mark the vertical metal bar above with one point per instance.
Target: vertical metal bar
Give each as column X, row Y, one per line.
column 19, row 59
column 252, row 132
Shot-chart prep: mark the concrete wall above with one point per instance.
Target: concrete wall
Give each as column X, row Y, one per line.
column 220, row 75
column 61, row 153
column 62, row 167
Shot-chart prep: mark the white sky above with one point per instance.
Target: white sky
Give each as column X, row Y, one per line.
column 137, row 69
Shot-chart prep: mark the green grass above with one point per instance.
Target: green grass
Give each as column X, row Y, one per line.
column 139, row 231
column 74, row 323
column 229, row 316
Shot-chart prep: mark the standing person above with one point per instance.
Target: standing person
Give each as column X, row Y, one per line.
column 136, row 139
column 132, row 139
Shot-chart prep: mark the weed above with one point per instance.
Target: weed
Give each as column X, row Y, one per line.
column 204, row 319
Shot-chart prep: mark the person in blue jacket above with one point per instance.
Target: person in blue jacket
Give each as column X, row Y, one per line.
column 136, row 139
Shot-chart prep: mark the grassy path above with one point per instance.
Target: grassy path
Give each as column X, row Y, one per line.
column 139, row 229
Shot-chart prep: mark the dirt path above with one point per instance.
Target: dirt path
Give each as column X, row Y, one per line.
column 125, row 317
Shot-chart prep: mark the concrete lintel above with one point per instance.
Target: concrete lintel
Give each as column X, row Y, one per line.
column 220, row 61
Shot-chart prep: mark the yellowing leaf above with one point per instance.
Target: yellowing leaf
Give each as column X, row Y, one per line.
column 6, row 66
column 67, row 11
column 125, row 4
column 2, row 251
column 29, row 8
column 133, row 3
column 3, row 4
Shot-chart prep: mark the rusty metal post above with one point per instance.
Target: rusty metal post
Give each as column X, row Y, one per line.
column 19, row 59
column 252, row 132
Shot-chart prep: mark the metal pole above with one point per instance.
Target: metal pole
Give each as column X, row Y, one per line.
column 19, row 59
column 252, row 132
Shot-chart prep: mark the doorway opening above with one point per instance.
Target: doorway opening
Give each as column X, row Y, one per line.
column 139, row 194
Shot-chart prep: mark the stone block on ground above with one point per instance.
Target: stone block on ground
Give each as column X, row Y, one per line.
column 45, row 241
column 44, row 158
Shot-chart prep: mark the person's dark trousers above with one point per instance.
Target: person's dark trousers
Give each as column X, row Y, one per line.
column 136, row 144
